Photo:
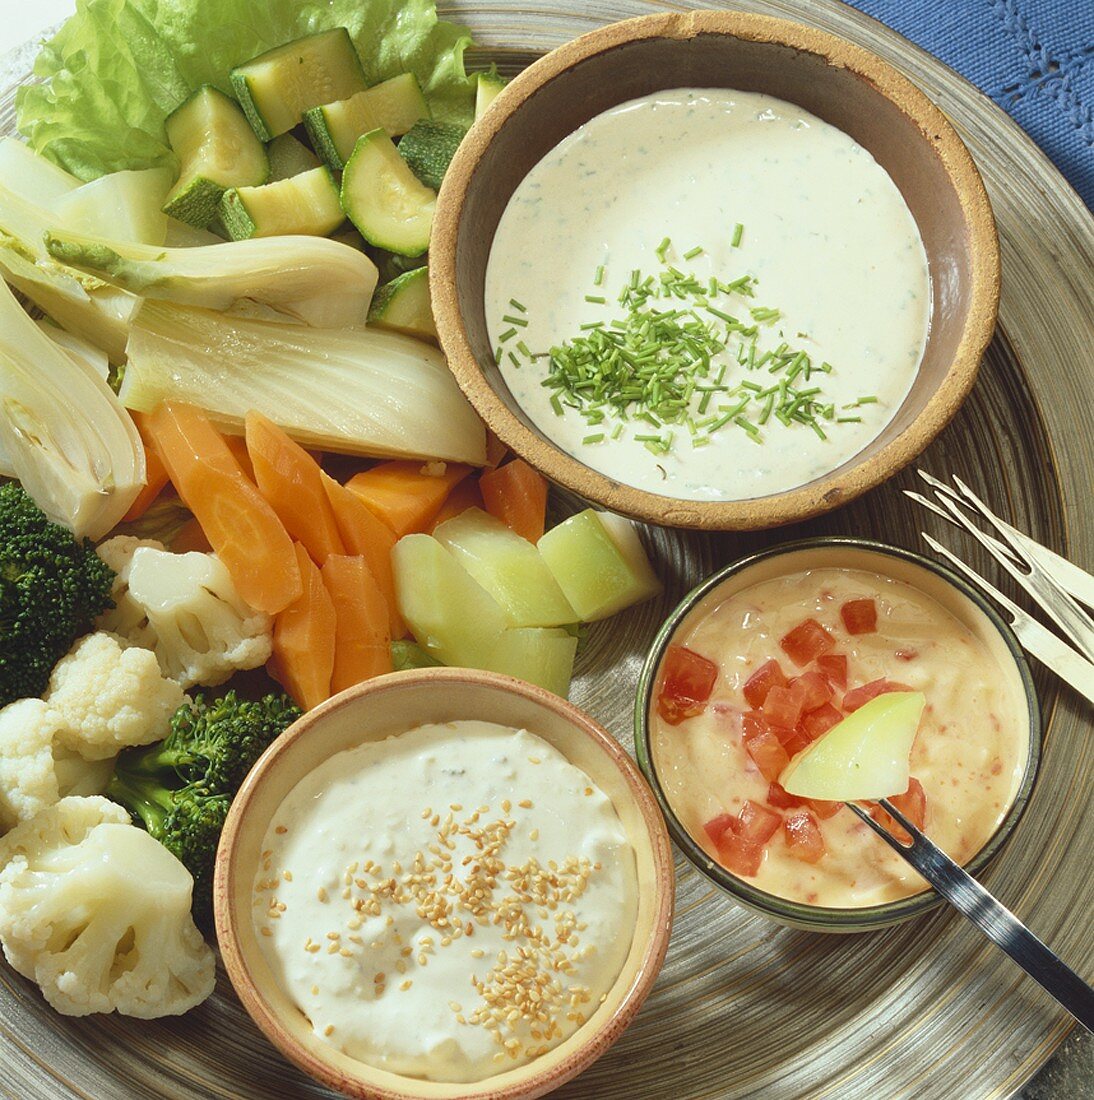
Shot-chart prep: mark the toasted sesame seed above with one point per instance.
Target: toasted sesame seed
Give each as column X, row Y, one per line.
column 281, row 830
column 321, row 894
column 267, row 931
column 287, row 876
column 525, row 803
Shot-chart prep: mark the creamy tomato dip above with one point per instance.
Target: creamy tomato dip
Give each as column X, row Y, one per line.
column 774, row 666
column 819, row 261
column 447, row 903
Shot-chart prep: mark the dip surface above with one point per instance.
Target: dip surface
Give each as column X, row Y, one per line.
column 826, row 235
column 372, row 865
column 969, row 754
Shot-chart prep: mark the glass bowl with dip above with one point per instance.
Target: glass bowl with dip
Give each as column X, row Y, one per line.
column 444, row 883
column 770, row 653
column 714, row 269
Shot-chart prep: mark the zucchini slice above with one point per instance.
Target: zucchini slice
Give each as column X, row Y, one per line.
column 429, row 148
column 391, row 208
column 307, row 203
column 487, row 86
column 217, row 149
column 404, row 305
column 289, row 157
column 393, row 105
column 277, row 87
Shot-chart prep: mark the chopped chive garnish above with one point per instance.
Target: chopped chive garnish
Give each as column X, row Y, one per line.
column 738, row 233
column 761, row 313
column 848, row 419
column 517, row 305
column 498, row 353
column 870, row 399
column 693, row 252
column 556, row 404
column 514, row 360
column 595, row 438
column 596, row 299
column 662, row 248
column 522, row 347
column 598, row 278
column 508, row 334
column 521, row 321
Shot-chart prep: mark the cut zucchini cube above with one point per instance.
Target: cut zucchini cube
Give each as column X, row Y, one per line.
column 277, row 87
column 308, row 203
column 403, row 305
column 429, row 147
column 217, row 149
column 510, row 568
column 383, row 198
column 599, row 564
column 487, row 86
column 289, row 157
column 393, row 105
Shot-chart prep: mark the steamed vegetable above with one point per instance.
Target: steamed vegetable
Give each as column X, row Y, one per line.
column 404, row 305
column 308, row 203
column 31, row 176
column 362, row 641
column 67, row 437
column 128, row 203
column 352, row 391
column 517, row 495
column 429, row 147
column 315, row 281
column 98, row 914
column 289, row 157
column 406, row 495
column 865, row 756
column 118, row 68
column 487, row 86
column 180, row 789
column 304, row 638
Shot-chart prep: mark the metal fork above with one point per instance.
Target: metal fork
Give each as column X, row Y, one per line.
column 990, row 916
column 1028, row 569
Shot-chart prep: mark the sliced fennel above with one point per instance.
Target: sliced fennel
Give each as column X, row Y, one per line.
column 356, row 391
column 863, row 757
column 68, row 439
column 78, row 349
column 32, row 176
column 313, row 280
column 128, row 203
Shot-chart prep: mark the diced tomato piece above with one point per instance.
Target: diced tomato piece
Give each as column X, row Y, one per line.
column 820, row 721
column 912, row 803
column 834, row 666
column 860, row 695
column 824, row 810
column 803, row 836
column 739, row 854
column 767, row 676
column 753, row 723
column 793, row 740
column 782, row 800
column 687, row 679
column 770, row 757
column 757, row 822
column 815, row 690
column 806, row 642
column 716, row 826
column 783, row 705
column 859, row 616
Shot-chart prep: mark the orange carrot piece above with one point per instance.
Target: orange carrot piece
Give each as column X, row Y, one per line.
column 362, row 641
column 291, row 480
column 240, row 526
column 304, row 638
column 190, row 537
column 155, row 475
column 370, row 538
column 517, row 495
column 495, row 450
column 404, row 494
column 466, row 495
column 238, row 446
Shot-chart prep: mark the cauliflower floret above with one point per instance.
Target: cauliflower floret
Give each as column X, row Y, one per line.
column 35, row 771
column 98, row 914
column 126, row 617
column 203, row 630
column 108, row 696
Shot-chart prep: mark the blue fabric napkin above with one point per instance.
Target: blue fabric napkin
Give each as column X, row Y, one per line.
column 1035, row 58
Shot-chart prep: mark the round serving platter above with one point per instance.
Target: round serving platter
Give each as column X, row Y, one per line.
column 743, row 1007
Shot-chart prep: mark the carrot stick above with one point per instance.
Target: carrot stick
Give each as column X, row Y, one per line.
column 517, row 495
column 466, row 495
column 291, row 480
column 362, row 641
column 240, row 526
column 304, row 638
column 238, row 446
column 406, row 495
column 155, row 475
column 495, row 450
column 365, row 535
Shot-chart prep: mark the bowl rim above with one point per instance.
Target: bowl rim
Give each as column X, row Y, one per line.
column 524, row 1081
column 784, row 910
column 830, row 490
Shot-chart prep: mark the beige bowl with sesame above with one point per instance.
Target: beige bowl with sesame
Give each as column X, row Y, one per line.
column 395, row 704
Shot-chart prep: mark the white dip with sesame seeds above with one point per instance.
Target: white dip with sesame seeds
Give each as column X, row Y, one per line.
column 448, row 903
column 818, row 263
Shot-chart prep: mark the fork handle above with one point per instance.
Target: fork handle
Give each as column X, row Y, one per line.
column 994, row 919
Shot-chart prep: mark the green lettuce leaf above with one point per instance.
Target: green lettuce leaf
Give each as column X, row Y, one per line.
column 117, row 68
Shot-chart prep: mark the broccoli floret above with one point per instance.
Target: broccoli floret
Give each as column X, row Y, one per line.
column 51, row 587
column 180, row 788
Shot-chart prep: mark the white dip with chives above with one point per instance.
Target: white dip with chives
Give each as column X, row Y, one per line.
column 666, row 193
column 448, row 903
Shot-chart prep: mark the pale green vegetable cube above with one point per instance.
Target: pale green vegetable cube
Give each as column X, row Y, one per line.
column 863, row 757
column 509, row 567
column 599, row 564
column 452, row 617
column 543, row 656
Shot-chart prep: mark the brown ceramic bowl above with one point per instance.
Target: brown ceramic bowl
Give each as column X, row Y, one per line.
column 841, row 83
column 388, row 705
